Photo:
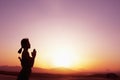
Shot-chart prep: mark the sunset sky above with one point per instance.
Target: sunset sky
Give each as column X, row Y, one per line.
column 83, row 34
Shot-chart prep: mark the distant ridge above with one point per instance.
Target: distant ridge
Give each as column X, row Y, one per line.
column 10, row 68
column 59, row 70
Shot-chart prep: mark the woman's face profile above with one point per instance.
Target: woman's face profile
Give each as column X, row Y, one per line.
column 28, row 45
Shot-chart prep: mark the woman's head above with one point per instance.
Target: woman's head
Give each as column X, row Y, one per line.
column 25, row 43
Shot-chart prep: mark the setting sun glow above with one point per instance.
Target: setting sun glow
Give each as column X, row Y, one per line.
column 63, row 58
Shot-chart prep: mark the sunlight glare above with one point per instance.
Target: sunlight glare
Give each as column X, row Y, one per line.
column 63, row 58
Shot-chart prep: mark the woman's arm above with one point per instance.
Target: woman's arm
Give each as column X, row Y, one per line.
column 33, row 58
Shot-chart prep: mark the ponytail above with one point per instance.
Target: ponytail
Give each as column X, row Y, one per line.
column 20, row 50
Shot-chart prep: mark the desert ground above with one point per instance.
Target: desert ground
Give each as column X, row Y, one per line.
column 9, row 77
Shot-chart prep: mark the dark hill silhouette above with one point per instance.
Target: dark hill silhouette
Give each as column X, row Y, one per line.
column 59, row 70
column 62, row 70
column 10, row 68
column 112, row 76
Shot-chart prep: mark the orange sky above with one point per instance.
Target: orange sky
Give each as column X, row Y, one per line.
column 85, row 34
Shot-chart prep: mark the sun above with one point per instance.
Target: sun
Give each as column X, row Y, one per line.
column 63, row 58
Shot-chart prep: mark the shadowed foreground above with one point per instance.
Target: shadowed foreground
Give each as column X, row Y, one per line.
column 7, row 77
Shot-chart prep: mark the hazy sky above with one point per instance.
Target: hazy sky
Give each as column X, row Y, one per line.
column 88, row 28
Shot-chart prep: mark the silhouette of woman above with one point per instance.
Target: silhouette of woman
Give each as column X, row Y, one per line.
column 27, row 62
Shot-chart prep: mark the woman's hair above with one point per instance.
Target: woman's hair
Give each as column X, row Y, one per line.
column 24, row 44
